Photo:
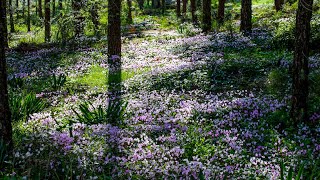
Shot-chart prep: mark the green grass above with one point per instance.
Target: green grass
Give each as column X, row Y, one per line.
column 98, row 76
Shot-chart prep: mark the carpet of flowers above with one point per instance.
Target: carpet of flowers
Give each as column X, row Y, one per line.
column 179, row 123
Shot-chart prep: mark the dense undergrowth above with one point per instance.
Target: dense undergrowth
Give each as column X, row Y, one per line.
column 194, row 106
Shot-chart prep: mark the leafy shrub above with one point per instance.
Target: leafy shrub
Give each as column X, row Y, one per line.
column 58, row 82
column 187, row 29
column 284, row 34
column 23, row 105
column 112, row 114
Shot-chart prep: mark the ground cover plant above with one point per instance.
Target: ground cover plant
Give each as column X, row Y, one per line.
column 190, row 104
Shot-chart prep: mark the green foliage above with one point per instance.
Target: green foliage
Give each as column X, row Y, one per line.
column 23, row 105
column 113, row 113
column 290, row 173
column 3, row 154
column 281, row 120
column 277, row 82
column 186, row 29
column 96, row 77
column 58, row 82
column 198, row 144
column 284, row 34
column 302, row 173
column 16, row 83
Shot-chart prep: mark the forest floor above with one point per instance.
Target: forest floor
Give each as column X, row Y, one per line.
column 203, row 106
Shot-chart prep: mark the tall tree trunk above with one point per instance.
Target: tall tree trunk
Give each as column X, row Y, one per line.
column 23, row 8
column 221, row 8
column 114, row 52
column 47, row 20
column 53, row 8
column 206, row 10
column 178, row 9
column 5, row 119
column 163, row 6
column 155, row 4
column 28, row 18
column 129, row 15
column 11, row 17
column 141, row 3
column 95, row 18
column 17, row 8
column 60, row 5
column 4, row 19
column 278, row 4
column 76, row 6
column 40, row 8
column 300, row 69
column 184, row 7
column 193, row 11
column 246, row 16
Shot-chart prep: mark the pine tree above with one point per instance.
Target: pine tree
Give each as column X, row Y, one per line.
column 5, row 122
column 47, row 20
column 300, row 69
column 114, row 51
column 246, row 16
column 206, row 21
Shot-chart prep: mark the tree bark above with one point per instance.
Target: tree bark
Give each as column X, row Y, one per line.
column 5, row 119
column 28, row 18
column 221, row 8
column 300, row 69
column 114, row 52
column 17, row 8
column 193, row 11
column 11, row 17
column 23, row 7
column 246, row 16
column 178, row 9
column 78, row 29
column 141, row 3
column 278, row 4
column 53, row 8
column 40, row 8
column 184, row 7
column 206, row 10
column 60, row 5
column 163, row 6
column 47, row 21
column 95, row 18
column 155, row 4
column 129, row 15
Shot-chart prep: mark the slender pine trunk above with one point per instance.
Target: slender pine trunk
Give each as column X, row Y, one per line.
column 300, row 68
column 47, row 21
column 206, row 21
column 12, row 30
column 29, row 18
column 246, row 16
column 5, row 116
